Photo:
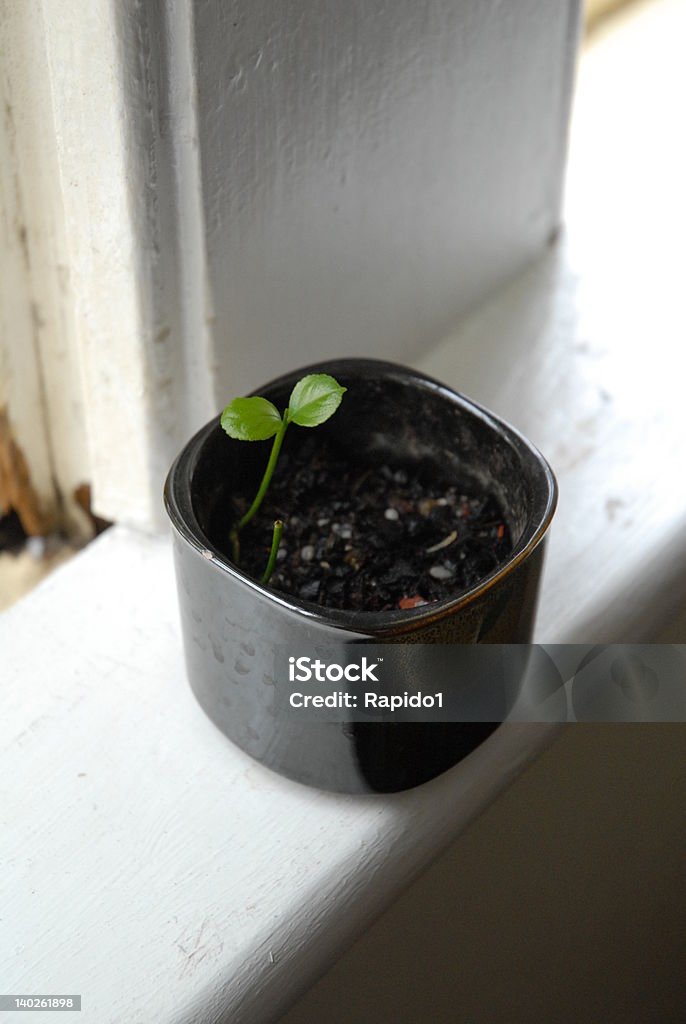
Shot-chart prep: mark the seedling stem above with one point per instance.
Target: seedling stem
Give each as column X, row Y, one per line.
column 276, row 540
column 261, row 491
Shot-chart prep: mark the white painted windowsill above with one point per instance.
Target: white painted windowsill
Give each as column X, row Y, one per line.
column 156, row 869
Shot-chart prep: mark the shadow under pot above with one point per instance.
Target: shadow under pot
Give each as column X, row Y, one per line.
column 234, row 628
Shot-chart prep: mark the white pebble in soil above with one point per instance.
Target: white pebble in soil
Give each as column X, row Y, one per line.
column 441, row 572
column 392, row 514
column 307, row 553
column 345, row 532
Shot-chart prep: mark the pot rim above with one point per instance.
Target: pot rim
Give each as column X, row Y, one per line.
column 182, row 515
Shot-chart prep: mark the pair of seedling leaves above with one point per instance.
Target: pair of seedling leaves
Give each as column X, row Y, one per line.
column 313, row 400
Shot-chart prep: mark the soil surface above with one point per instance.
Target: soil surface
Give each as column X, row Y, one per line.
column 371, row 538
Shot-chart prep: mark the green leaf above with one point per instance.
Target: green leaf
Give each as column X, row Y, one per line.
column 251, row 419
column 314, row 399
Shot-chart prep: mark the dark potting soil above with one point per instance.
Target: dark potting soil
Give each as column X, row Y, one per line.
column 370, row 538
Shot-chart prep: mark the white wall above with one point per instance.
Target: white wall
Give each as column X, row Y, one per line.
column 237, row 188
column 370, row 170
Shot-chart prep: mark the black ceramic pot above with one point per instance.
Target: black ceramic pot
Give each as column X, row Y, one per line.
column 232, row 624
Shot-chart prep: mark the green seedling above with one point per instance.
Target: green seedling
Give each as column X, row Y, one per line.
column 313, row 400
column 274, row 550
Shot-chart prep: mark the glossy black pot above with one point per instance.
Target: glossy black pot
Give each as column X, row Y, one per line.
column 232, row 624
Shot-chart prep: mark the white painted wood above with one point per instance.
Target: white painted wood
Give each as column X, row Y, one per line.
column 370, row 171
column 58, row 348
column 174, row 867
column 22, row 319
column 195, row 379
column 209, row 886
column 562, row 357
column 155, row 868
column 105, row 95
column 238, row 189
column 586, row 353
column 104, row 250
column 213, row 886
column 150, row 865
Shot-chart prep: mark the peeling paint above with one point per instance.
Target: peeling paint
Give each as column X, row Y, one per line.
column 16, row 489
